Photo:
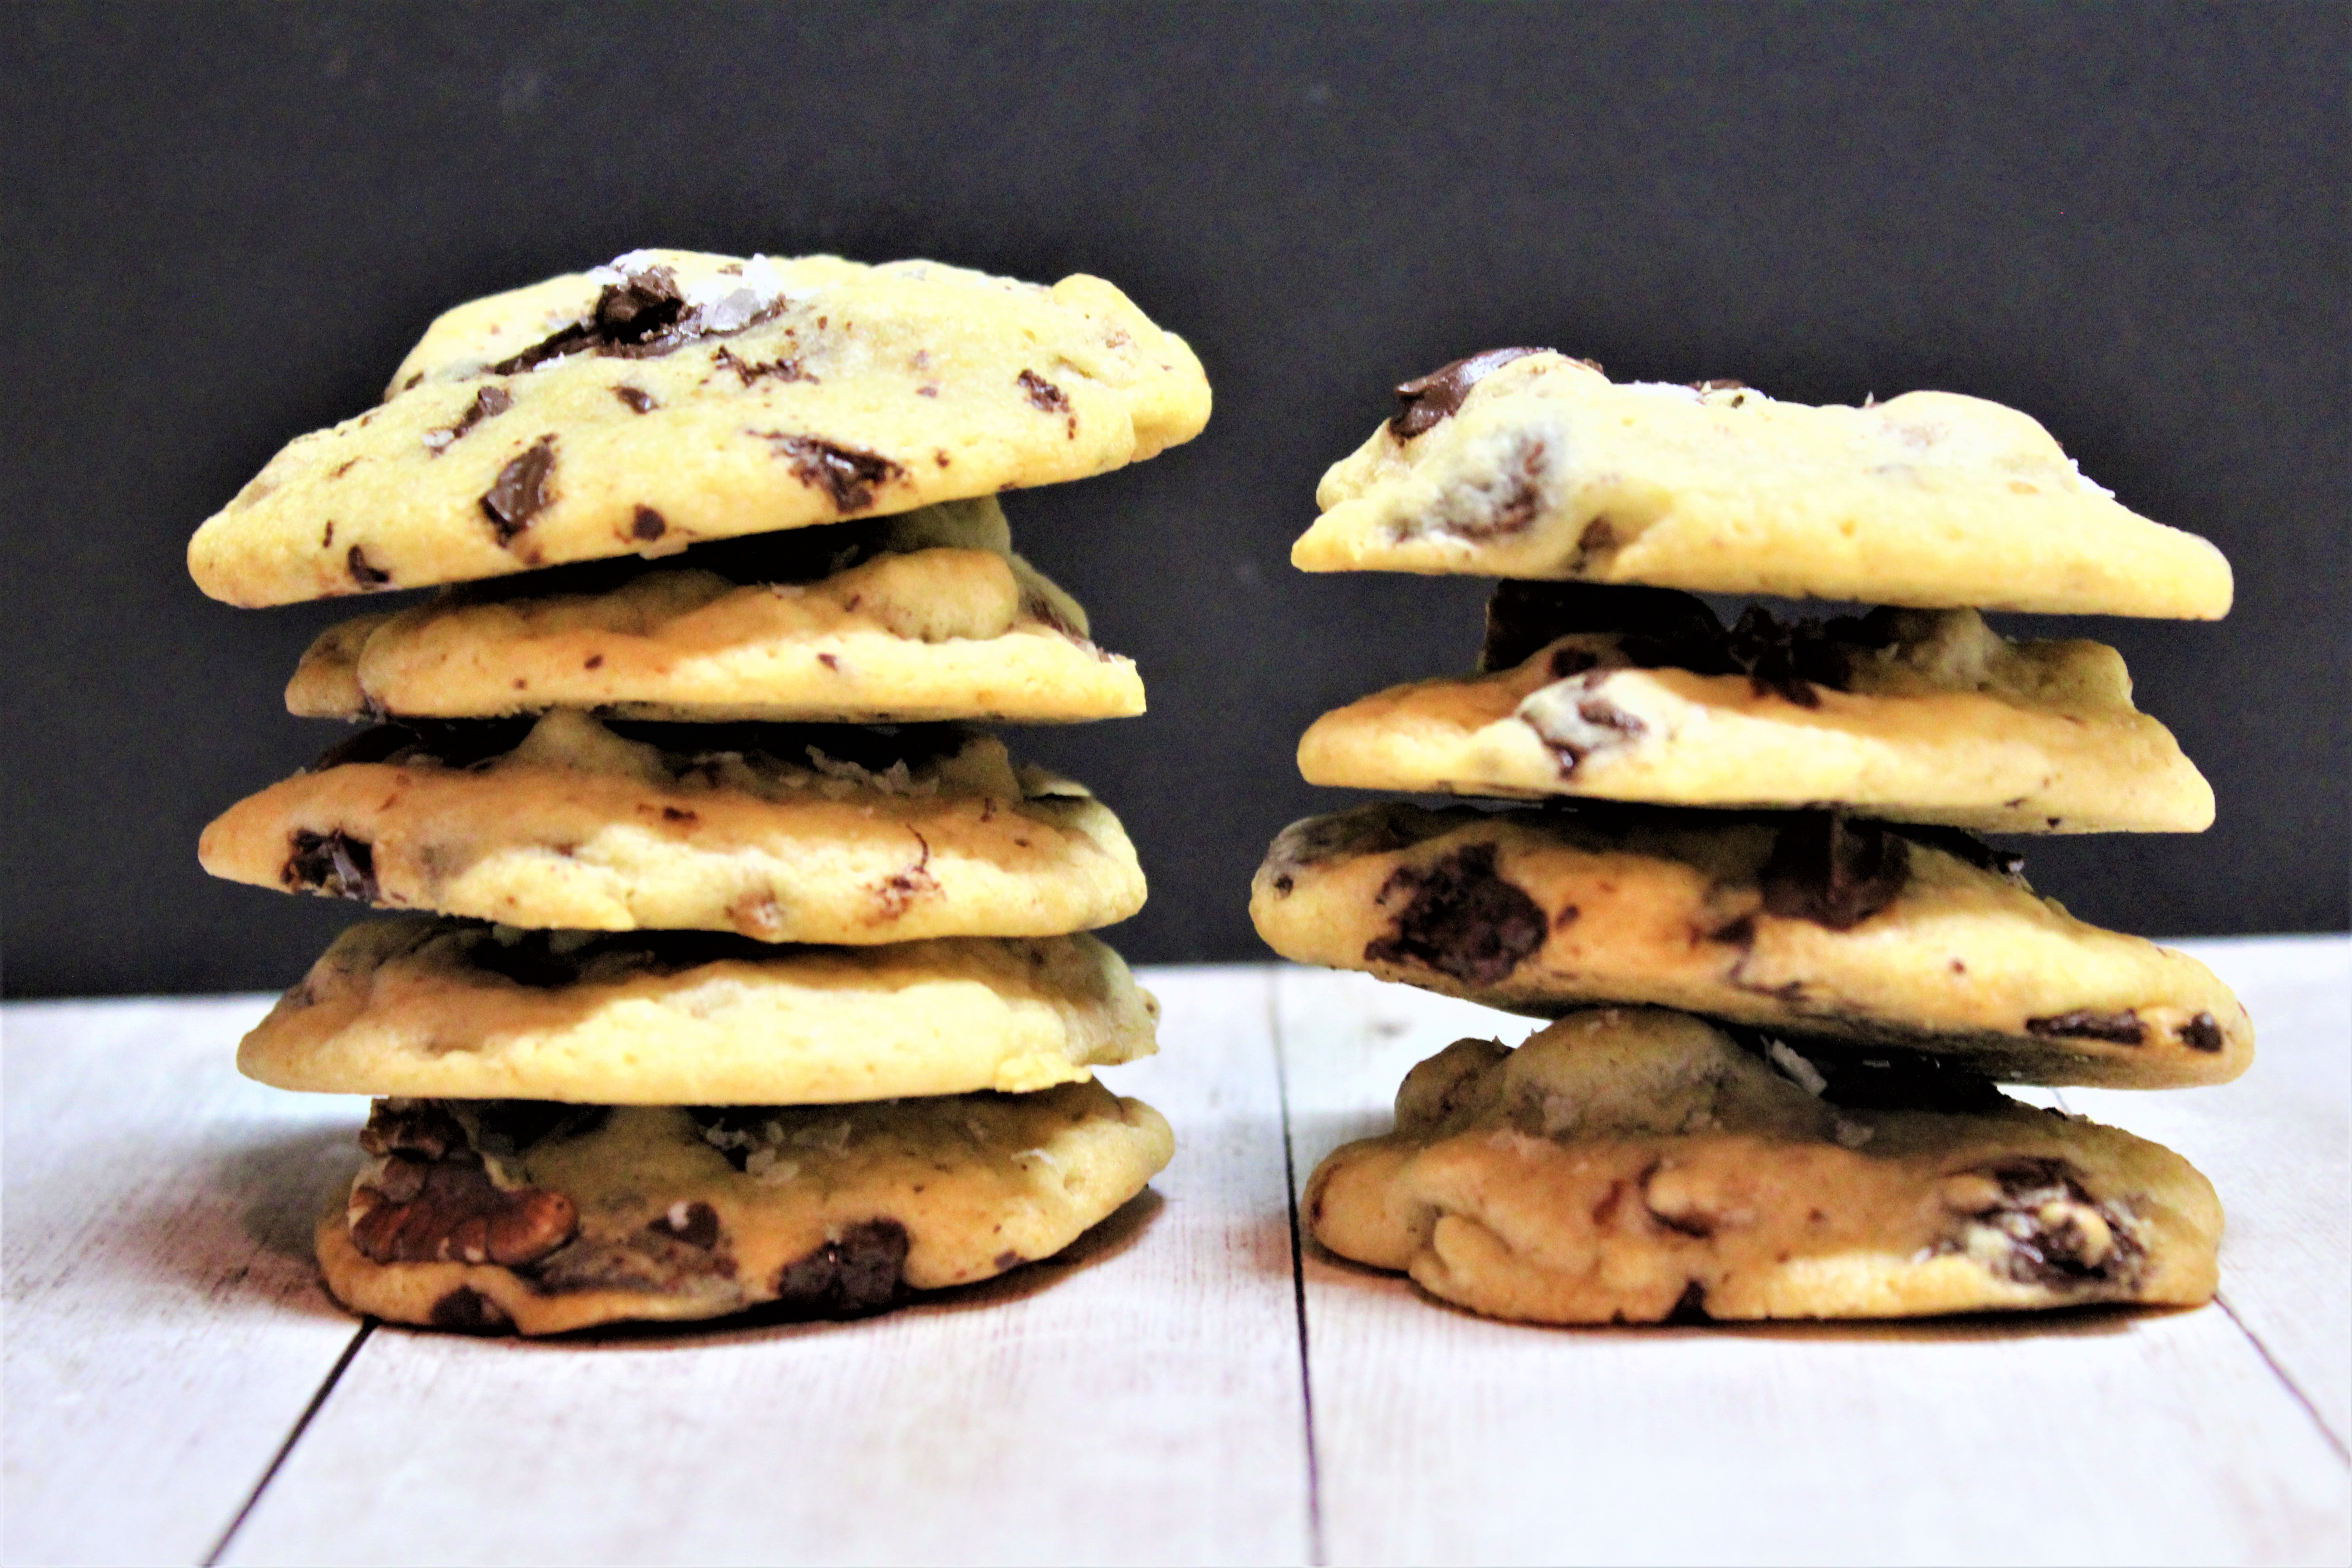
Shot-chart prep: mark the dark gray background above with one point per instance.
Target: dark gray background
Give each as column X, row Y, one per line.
column 224, row 227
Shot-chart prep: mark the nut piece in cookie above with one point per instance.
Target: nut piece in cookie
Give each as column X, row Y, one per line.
column 1633, row 1165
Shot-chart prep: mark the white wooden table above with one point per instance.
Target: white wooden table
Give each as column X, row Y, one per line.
column 1188, row 1387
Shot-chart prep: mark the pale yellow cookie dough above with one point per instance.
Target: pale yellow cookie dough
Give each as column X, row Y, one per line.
column 676, row 396
column 1626, row 1165
column 414, row 1005
column 496, row 1216
column 1797, row 923
column 1949, row 723
column 1546, row 470
column 929, row 615
column 579, row 827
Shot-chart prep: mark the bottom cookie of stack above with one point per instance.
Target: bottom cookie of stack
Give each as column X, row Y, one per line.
column 1637, row 1165
column 603, row 1127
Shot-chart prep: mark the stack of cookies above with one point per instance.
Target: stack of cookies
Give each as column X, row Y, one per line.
column 743, row 967
column 1785, row 971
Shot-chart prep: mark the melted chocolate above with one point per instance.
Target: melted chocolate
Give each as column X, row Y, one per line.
column 1461, row 919
column 2122, row 1028
column 859, row 1273
column 2202, row 1033
column 845, row 473
column 640, row 316
column 1426, row 400
column 519, row 493
column 1833, row 871
column 331, row 863
column 2059, row 1253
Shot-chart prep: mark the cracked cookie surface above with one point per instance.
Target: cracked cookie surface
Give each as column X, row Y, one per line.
column 1525, row 463
column 675, row 396
column 1634, row 1165
column 1933, row 718
column 816, row 834
column 522, row 1217
column 1799, row 921
column 416, row 1005
column 924, row 616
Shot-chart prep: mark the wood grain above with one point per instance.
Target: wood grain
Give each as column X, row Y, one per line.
column 166, row 1326
column 1140, row 1403
column 2092, row 1437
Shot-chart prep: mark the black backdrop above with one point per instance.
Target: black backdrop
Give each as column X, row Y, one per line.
column 223, row 225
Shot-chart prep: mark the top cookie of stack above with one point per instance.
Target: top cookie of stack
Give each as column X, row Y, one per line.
column 1770, row 824
column 722, row 901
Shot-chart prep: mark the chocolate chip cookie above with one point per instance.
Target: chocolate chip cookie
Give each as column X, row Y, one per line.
column 415, row 1005
column 1635, row 1165
column 528, row 1217
column 921, row 617
column 1525, row 463
column 782, row 832
column 675, row 396
column 1916, row 716
column 1806, row 922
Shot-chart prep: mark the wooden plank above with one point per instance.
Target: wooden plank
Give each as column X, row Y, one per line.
column 1142, row 1403
column 165, row 1325
column 2278, row 1144
column 2098, row 1436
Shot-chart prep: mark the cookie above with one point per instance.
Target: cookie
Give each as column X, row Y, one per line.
column 414, row 1005
column 675, row 396
column 1804, row 923
column 1524, row 463
column 1917, row 716
column 924, row 616
column 814, row 834
column 517, row 1215
column 1632, row 1165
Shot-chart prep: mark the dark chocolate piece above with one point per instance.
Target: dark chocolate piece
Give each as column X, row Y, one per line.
column 1043, row 394
column 634, row 313
column 2202, row 1033
column 488, row 404
column 639, row 400
column 1460, row 918
column 1425, row 400
column 1833, row 871
column 750, row 371
column 845, row 473
column 859, row 1273
column 331, row 863
column 355, row 562
column 2122, row 1028
column 647, row 525
column 467, row 1310
column 521, row 492
column 2060, row 1253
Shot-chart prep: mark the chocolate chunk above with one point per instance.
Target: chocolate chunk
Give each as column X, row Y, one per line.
column 332, row 863
column 751, row 371
column 1425, row 400
column 1833, row 871
column 2058, row 1236
column 859, row 1273
column 845, row 473
column 510, row 1127
column 1672, row 628
column 1460, row 918
column 521, row 492
column 639, row 400
column 2123, row 1029
column 1605, row 725
column 648, row 523
column 461, row 1216
column 1043, row 394
column 639, row 313
column 467, row 1310
column 2202, row 1033
column 488, row 403
column 356, row 562
column 695, row 1224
